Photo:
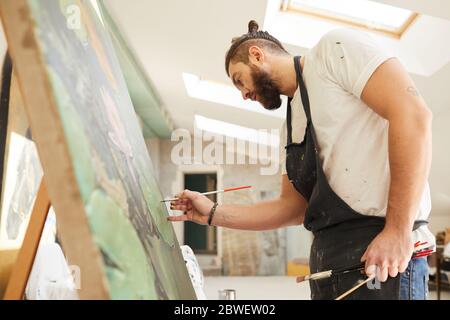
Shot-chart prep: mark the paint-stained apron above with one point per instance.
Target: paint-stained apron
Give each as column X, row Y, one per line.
column 341, row 235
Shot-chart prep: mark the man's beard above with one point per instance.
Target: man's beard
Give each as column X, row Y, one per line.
column 266, row 89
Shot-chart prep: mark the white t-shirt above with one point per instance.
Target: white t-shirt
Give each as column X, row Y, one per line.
column 353, row 139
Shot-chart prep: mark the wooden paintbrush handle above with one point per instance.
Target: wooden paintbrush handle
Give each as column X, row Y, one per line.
column 346, row 293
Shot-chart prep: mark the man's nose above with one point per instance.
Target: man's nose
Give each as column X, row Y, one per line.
column 245, row 94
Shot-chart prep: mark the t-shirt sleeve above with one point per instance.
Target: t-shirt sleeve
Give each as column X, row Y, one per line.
column 350, row 57
column 283, row 142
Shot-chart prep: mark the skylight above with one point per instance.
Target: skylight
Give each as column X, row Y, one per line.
column 235, row 131
column 362, row 13
column 224, row 94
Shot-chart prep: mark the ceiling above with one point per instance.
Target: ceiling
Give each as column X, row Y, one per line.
column 435, row 8
column 175, row 37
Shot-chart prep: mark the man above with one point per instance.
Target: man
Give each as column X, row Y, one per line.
column 355, row 165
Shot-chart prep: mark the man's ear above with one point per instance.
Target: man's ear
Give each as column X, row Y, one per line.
column 256, row 55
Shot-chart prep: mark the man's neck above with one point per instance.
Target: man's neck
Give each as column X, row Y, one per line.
column 284, row 74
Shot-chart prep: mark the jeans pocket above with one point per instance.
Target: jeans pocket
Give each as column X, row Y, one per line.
column 414, row 281
column 419, row 281
column 405, row 292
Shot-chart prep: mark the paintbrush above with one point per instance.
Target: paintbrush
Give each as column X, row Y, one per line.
column 326, row 274
column 346, row 293
column 214, row 192
column 419, row 251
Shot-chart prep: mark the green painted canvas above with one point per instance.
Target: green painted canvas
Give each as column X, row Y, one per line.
column 141, row 256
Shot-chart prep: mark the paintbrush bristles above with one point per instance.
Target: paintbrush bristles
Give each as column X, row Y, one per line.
column 315, row 276
column 319, row 275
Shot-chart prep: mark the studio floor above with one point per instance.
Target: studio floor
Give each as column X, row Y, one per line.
column 268, row 288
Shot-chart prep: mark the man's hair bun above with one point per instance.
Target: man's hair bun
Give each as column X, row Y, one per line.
column 252, row 26
column 253, row 34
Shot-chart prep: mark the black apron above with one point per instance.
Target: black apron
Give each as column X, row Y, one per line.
column 341, row 235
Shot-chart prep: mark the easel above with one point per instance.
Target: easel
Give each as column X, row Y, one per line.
column 23, row 264
column 38, row 99
column 22, row 267
column 76, row 186
column 18, row 277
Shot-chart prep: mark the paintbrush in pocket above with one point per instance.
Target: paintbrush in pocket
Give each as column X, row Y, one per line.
column 420, row 250
column 326, row 274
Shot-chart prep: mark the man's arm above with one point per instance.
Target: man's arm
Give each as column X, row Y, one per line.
column 391, row 93
column 288, row 209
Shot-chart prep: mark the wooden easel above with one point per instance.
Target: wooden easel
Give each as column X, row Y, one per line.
column 75, row 193
column 41, row 113
column 19, row 275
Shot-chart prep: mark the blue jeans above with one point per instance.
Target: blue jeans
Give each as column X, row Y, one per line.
column 414, row 281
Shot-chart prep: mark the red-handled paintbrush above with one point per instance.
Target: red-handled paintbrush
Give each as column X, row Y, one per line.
column 214, row 192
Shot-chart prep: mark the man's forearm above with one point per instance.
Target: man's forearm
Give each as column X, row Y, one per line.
column 410, row 160
column 265, row 215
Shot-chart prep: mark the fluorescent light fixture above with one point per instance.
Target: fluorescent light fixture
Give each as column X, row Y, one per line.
column 225, row 94
column 371, row 14
column 236, row 131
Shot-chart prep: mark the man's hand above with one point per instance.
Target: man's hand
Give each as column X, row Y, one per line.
column 196, row 207
column 390, row 252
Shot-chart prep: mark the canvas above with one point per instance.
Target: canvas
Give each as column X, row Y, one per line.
column 22, row 179
column 108, row 181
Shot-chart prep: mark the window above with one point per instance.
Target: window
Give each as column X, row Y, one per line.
column 364, row 14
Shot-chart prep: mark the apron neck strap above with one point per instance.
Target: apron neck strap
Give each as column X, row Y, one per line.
column 305, row 103
column 289, row 122
column 289, row 108
column 303, row 92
